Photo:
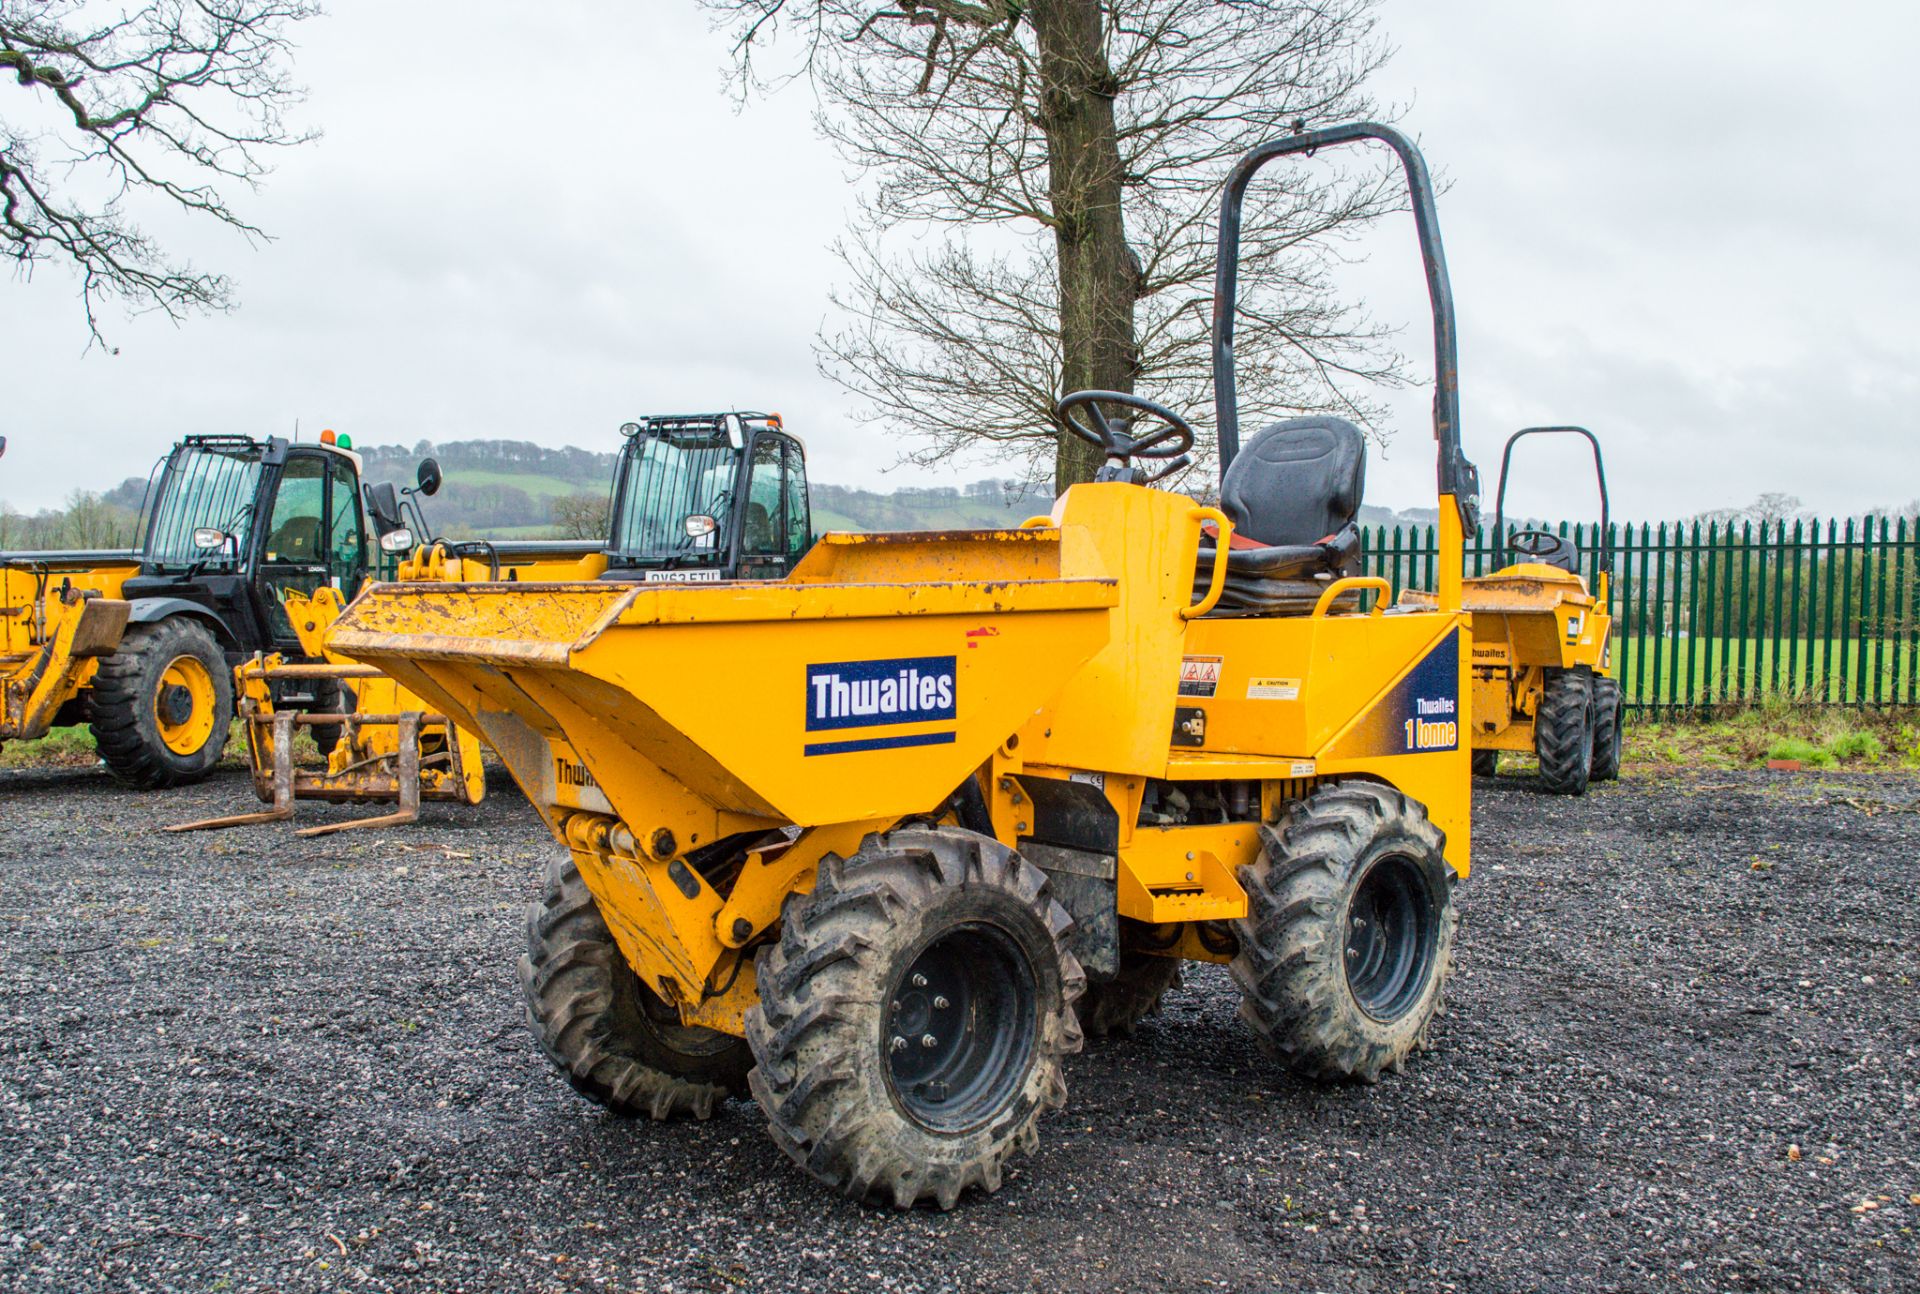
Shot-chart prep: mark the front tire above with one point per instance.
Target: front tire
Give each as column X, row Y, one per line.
column 913, row 1017
column 1348, row 937
column 1486, row 763
column 1563, row 731
column 618, row 1044
column 162, row 704
column 1606, row 730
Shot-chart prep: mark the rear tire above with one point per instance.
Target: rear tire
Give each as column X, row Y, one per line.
column 913, row 1017
column 1606, row 730
column 1348, row 937
column 162, row 704
column 1486, row 763
column 1115, row 1007
column 618, row 1044
column 1563, row 731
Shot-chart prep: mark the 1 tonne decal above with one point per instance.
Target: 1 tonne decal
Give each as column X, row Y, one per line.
column 881, row 693
column 1418, row 715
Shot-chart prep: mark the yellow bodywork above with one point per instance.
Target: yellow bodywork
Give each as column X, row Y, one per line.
column 1529, row 618
column 57, row 620
column 648, row 722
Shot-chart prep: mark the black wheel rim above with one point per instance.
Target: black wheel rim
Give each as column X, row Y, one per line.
column 959, row 1029
column 1391, row 922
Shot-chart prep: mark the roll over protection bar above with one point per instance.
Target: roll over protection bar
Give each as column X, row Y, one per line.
column 1457, row 476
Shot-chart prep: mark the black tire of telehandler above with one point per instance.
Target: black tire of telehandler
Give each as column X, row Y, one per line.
column 1486, row 763
column 1606, row 730
column 125, row 691
column 1563, row 732
column 330, row 696
column 1114, row 1008
column 840, row 979
column 1345, row 841
column 617, row 1043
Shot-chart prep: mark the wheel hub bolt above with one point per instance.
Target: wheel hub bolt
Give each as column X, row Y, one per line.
column 919, row 981
column 897, row 1044
column 928, row 1040
column 940, row 1003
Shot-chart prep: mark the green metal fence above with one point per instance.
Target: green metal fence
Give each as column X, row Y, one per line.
column 1725, row 613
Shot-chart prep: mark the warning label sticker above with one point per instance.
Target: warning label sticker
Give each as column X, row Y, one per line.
column 1199, row 675
column 1273, row 689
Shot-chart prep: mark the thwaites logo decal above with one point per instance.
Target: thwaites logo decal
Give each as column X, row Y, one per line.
column 1419, row 715
column 881, row 693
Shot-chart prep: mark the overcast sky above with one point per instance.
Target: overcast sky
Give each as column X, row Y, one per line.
column 1689, row 226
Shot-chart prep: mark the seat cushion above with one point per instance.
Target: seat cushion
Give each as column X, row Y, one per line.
column 1297, row 482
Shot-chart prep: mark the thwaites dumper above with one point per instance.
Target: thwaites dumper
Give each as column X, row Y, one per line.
column 1543, row 677
column 141, row 643
column 876, row 841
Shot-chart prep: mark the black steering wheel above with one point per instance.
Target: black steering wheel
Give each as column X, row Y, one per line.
column 1174, row 438
column 1542, row 545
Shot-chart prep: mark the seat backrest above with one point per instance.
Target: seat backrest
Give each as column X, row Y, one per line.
column 1296, row 482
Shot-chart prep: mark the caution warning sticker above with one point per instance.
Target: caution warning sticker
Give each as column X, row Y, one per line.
column 1273, row 689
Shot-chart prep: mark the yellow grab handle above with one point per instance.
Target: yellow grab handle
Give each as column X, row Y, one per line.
column 1348, row 585
column 1041, row 522
column 1219, row 580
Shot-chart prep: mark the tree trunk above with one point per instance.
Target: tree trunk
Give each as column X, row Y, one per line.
column 1099, row 274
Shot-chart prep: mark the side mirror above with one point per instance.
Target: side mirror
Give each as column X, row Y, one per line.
column 383, row 503
column 207, row 537
column 3, row 446
column 396, row 541
column 429, row 477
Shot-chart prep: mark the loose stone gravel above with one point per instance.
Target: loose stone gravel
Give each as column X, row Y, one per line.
column 1682, row 1053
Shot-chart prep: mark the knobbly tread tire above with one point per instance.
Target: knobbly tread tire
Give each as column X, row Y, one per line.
column 589, row 1013
column 1116, row 1007
column 1486, row 763
column 1563, row 735
column 1291, row 967
column 1606, row 730
column 330, row 696
column 126, row 731
column 822, row 1071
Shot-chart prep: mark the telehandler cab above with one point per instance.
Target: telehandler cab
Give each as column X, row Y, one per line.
column 142, row 643
column 871, row 842
column 1543, row 647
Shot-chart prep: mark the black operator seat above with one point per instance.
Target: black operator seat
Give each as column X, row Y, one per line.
column 1294, row 491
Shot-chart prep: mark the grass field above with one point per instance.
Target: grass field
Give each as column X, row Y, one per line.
column 1725, row 669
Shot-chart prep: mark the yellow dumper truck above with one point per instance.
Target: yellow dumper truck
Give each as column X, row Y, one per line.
column 863, row 840
column 1543, row 678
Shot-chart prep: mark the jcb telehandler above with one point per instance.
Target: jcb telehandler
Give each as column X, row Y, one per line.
column 1543, row 647
column 863, row 841
column 141, row 643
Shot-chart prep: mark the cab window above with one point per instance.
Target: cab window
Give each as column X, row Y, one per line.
column 345, row 536
column 296, row 533
column 776, row 522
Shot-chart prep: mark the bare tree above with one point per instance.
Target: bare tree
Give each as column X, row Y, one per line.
column 170, row 101
column 582, row 515
column 1041, row 186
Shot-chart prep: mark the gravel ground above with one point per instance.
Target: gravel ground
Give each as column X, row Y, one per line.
column 1682, row 1053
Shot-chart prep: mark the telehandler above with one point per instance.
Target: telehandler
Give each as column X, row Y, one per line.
column 1543, row 647
column 862, row 841
column 141, row 643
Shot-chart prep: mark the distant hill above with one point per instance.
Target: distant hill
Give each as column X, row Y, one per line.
column 510, row 489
